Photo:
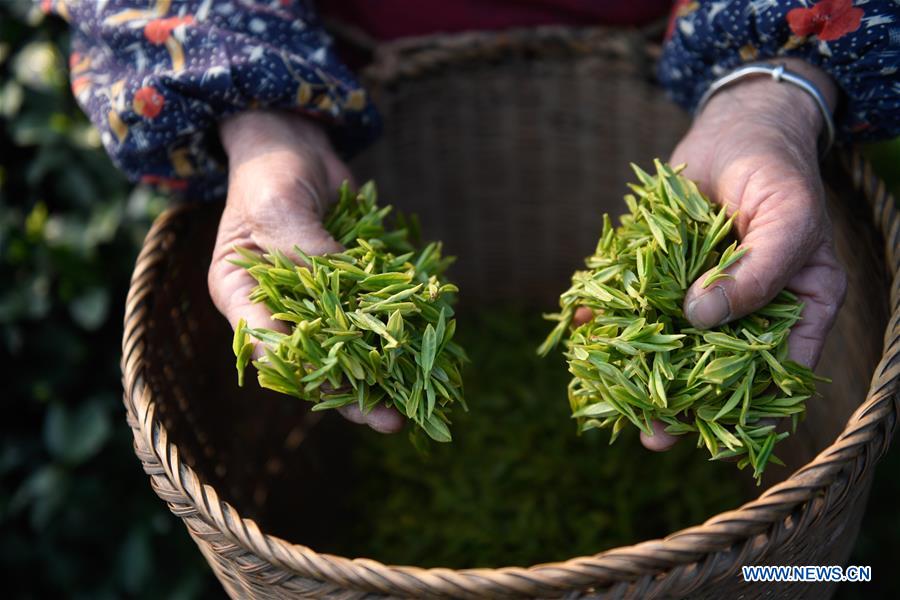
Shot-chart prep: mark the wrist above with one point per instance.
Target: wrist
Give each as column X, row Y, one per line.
column 815, row 75
column 251, row 133
column 778, row 106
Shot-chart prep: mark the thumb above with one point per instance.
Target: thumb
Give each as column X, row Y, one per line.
column 778, row 243
column 277, row 224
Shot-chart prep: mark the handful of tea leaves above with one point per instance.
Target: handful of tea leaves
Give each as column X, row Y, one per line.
column 639, row 359
column 369, row 325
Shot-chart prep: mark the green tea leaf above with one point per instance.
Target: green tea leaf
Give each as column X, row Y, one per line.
column 429, row 349
column 436, row 429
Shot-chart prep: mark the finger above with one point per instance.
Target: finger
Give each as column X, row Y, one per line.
column 822, row 287
column 352, row 413
column 582, row 315
column 381, row 418
column 336, row 173
column 286, row 224
column 230, row 288
column 660, row 441
column 779, row 240
column 280, row 222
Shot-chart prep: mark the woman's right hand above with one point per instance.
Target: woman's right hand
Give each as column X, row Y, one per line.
column 282, row 174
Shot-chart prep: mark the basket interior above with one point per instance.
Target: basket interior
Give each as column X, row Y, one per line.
column 513, row 169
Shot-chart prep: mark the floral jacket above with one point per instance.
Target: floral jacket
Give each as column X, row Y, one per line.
column 155, row 76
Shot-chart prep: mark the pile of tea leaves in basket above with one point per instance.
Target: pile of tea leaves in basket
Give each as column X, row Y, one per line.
column 516, row 486
column 370, row 325
column 638, row 359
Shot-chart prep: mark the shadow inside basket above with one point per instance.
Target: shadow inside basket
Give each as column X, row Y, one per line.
column 517, row 485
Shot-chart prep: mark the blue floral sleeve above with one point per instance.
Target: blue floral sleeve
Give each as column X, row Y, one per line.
column 156, row 76
column 857, row 43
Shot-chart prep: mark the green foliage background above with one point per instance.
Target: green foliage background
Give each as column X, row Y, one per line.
column 77, row 515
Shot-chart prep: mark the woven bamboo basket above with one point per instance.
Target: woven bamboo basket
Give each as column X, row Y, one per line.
column 509, row 147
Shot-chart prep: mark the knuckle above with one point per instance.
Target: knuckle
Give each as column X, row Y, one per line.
column 837, row 293
column 815, row 333
column 274, row 202
column 830, row 298
column 268, row 200
column 816, row 231
column 836, row 284
column 754, row 289
column 812, row 226
column 842, row 283
column 830, row 312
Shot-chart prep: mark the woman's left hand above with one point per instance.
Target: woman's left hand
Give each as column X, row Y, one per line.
column 753, row 148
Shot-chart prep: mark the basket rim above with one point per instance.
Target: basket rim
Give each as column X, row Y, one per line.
column 735, row 536
column 418, row 56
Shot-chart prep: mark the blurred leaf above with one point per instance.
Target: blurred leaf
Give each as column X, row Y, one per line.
column 11, row 457
column 48, row 159
column 11, row 96
column 37, row 218
column 104, row 223
column 135, row 560
column 29, row 300
column 43, row 492
column 89, row 310
column 73, row 436
column 39, row 65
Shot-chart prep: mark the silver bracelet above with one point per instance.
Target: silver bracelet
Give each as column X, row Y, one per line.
column 777, row 73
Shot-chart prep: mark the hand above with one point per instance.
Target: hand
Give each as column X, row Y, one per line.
column 282, row 170
column 753, row 149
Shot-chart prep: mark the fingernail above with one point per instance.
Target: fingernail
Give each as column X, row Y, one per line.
column 660, row 441
column 710, row 309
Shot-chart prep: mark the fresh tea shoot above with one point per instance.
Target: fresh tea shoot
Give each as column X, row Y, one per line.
column 639, row 359
column 372, row 324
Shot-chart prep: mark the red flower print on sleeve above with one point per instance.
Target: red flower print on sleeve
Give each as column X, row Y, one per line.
column 828, row 19
column 148, row 102
column 158, row 31
column 680, row 9
column 166, row 183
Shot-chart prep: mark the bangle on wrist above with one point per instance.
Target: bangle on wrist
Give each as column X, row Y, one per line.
column 779, row 74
